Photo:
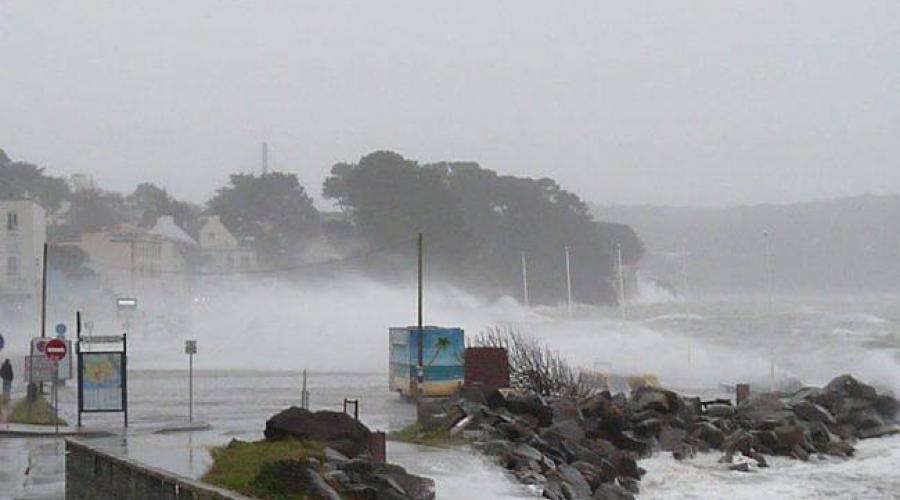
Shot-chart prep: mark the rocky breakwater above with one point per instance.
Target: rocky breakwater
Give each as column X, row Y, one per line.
column 323, row 456
column 581, row 448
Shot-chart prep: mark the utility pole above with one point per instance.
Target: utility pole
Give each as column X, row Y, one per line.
column 684, row 289
column 44, row 296
column 768, row 271
column 621, row 271
column 265, row 158
column 770, row 317
column 569, row 281
column 190, row 348
column 524, row 279
column 420, row 371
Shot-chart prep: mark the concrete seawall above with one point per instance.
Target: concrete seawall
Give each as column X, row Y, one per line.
column 92, row 474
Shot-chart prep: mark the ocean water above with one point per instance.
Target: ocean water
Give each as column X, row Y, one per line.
column 254, row 340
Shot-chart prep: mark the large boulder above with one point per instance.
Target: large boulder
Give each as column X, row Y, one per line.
column 625, row 464
column 710, row 434
column 888, row 407
column 567, row 430
column 573, row 477
column 612, row 491
column 532, row 405
column 812, row 412
column 488, row 396
column 651, row 399
column 564, row 410
column 409, row 485
column 764, row 410
column 720, row 410
column 845, row 386
column 337, row 430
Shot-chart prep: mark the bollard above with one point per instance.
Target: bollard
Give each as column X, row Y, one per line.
column 304, row 394
column 742, row 393
column 355, row 403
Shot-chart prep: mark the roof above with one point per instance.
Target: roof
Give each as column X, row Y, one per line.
column 167, row 228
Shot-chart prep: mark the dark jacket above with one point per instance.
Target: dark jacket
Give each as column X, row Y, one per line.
column 6, row 372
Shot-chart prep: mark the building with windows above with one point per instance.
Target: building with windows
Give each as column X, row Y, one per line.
column 221, row 250
column 136, row 262
column 23, row 233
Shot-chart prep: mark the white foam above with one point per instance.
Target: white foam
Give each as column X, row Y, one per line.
column 870, row 474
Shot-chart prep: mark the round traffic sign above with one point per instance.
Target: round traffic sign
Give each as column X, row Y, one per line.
column 61, row 329
column 55, row 350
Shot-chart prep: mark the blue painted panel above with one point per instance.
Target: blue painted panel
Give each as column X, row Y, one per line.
column 442, row 354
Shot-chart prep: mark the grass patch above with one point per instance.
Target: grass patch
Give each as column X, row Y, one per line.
column 417, row 434
column 38, row 413
column 237, row 465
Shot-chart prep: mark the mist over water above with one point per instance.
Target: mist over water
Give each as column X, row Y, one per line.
column 341, row 326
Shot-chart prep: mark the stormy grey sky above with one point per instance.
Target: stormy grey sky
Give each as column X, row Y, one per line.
column 691, row 103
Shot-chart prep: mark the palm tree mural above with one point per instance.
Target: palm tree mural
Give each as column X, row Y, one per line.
column 442, row 344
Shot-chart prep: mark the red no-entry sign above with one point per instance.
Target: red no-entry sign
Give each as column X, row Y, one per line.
column 56, row 350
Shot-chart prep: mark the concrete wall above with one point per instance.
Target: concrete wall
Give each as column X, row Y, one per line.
column 92, row 474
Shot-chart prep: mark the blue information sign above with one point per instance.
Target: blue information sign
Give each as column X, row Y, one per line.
column 61, row 330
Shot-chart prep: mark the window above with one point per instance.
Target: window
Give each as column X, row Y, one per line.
column 211, row 236
column 245, row 261
column 12, row 221
column 230, row 261
column 12, row 266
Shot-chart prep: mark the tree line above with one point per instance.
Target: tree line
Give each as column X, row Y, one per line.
column 476, row 223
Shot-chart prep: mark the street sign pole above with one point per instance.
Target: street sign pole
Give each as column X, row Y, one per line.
column 56, row 350
column 56, row 395
column 191, row 388
column 190, row 348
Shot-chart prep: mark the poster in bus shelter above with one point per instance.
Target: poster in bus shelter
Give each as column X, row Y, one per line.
column 102, row 387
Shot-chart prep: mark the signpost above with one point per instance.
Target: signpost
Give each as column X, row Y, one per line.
column 56, row 350
column 102, row 374
column 40, row 368
column 2, row 400
column 190, row 348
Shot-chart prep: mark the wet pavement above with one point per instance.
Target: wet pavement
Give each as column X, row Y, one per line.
column 235, row 404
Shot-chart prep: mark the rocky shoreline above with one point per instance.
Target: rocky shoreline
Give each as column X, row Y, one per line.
column 589, row 448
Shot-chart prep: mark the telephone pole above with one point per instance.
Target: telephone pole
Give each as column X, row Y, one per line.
column 621, row 282
column 44, row 296
column 569, row 281
column 524, row 279
column 420, row 369
column 770, row 318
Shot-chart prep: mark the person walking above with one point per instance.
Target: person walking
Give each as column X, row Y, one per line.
column 6, row 373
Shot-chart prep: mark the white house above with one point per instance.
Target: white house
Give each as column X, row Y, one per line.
column 221, row 250
column 23, row 233
column 137, row 262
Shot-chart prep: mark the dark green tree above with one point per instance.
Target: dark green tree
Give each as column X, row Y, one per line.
column 153, row 201
column 70, row 261
column 271, row 210
column 93, row 210
column 477, row 223
column 20, row 180
column 391, row 199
